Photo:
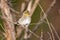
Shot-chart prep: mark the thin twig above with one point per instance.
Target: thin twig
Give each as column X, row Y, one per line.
column 50, row 36
column 26, row 32
column 49, row 8
column 42, row 18
column 19, row 30
column 33, row 34
column 47, row 21
column 51, row 5
column 55, row 31
column 41, row 38
column 37, row 25
column 13, row 10
column 2, row 34
column 2, row 27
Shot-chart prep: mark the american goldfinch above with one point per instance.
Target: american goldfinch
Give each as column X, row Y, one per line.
column 25, row 21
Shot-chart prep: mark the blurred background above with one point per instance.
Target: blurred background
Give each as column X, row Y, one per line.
column 42, row 31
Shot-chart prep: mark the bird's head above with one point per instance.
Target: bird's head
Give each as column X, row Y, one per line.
column 26, row 13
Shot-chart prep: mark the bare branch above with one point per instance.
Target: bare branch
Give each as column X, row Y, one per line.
column 34, row 6
column 47, row 22
column 51, row 5
column 29, row 6
column 13, row 10
column 41, row 38
column 2, row 27
column 37, row 25
column 19, row 30
column 49, row 8
column 22, row 7
column 33, row 34
column 43, row 17
column 2, row 35
column 49, row 35
column 7, row 21
column 55, row 31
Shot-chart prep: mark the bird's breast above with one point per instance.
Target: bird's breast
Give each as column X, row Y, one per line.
column 25, row 21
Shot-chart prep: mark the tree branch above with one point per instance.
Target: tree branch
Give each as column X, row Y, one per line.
column 47, row 22
column 55, row 31
column 49, row 35
column 7, row 21
column 34, row 6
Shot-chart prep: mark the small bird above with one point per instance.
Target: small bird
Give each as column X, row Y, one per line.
column 24, row 21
